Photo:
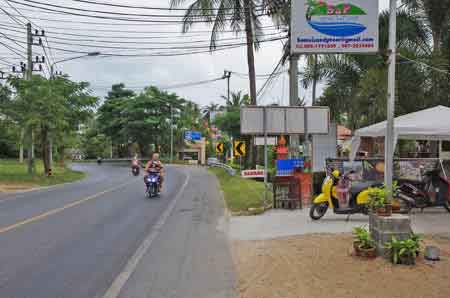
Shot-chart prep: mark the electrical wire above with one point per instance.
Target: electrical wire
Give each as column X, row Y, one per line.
column 104, row 17
column 12, row 17
column 424, row 64
column 147, row 7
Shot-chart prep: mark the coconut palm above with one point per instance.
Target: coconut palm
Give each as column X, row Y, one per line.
column 237, row 100
column 238, row 15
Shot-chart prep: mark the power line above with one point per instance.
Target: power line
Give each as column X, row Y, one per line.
column 147, row 7
column 104, row 17
column 20, row 23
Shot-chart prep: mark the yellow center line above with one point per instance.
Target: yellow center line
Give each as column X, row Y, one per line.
column 58, row 210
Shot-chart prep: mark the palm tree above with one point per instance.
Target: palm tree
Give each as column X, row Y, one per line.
column 436, row 13
column 209, row 109
column 237, row 100
column 223, row 13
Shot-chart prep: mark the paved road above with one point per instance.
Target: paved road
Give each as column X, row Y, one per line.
column 75, row 240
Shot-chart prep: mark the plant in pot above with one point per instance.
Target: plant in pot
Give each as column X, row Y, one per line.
column 404, row 251
column 363, row 244
column 379, row 201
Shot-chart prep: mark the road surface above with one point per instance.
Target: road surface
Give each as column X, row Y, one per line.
column 101, row 236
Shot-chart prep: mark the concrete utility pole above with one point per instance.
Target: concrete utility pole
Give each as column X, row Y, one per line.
column 171, row 133
column 293, row 98
column 227, row 75
column 314, row 86
column 390, row 135
column 28, row 73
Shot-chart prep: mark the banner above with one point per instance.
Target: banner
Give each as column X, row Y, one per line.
column 334, row 26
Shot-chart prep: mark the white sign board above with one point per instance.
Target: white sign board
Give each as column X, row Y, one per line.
column 334, row 26
column 271, row 141
column 252, row 174
column 284, row 120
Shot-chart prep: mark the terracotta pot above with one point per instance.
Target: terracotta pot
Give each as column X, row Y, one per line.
column 396, row 207
column 369, row 253
column 385, row 211
column 356, row 248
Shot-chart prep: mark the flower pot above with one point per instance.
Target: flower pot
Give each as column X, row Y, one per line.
column 409, row 260
column 369, row 253
column 396, row 206
column 356, row 248
column 384, row 211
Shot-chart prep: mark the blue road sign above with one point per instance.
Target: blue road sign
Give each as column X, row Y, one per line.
column 192, row 135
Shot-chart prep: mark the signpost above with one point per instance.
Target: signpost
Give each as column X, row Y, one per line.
column 334, row 26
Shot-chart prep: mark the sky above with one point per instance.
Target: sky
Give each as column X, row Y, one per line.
column 102, row 72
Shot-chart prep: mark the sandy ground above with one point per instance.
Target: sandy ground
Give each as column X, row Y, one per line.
column 12, row 187
column 321, row 266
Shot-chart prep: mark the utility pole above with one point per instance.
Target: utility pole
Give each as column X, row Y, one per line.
column 390, row 135
column 293, row 98
column 227, row 75
column 29, row 73
column 171, row 133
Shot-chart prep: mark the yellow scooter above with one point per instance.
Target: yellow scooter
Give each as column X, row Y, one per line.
column 359, row 196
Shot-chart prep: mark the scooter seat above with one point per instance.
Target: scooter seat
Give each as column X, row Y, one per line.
column 360, row 186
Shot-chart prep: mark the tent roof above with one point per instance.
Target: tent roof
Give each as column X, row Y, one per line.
column 433, row 123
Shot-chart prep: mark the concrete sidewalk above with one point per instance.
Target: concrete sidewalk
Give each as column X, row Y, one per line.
column 283, row 223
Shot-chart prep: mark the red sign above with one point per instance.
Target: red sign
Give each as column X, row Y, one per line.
column 252, row 174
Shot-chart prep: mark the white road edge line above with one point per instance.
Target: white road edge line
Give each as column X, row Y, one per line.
column 120, row 281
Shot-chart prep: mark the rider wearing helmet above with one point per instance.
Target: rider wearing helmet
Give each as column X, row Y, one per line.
column 155, row 165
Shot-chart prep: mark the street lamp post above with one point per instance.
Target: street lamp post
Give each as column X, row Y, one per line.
column 52, row 75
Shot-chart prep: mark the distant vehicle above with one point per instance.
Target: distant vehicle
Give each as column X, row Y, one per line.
column 187, row 157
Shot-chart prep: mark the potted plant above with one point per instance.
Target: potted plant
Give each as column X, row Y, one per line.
column 379, row 201
column 363, row 244
column 404, row 251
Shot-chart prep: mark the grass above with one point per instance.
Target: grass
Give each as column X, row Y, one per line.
column 14, row 174
column 243, row 196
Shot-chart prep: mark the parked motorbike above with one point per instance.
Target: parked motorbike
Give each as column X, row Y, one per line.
column 357, row 201
column 135, row 170
column 152, row 181
column 433, row 191
column 99, row 160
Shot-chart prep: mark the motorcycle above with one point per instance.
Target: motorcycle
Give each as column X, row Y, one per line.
column 135, row 170
column 433, row 191
column 152, row 181
column 358, row 196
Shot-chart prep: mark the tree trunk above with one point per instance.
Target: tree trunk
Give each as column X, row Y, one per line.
column 22, row 135
column 61, row 150
column 31, row 153
column 251, row 63
column 45, row 149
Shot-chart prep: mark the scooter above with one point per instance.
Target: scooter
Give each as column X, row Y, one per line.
column 434, row 191
column 135, row 170
column 358, row 196
column 152, row 181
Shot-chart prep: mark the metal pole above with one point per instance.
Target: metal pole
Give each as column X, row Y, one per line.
column 171, row 134
column 315, row 57
column 29, row 73
column 389, row 139
column 228, row 83
column 265, row 153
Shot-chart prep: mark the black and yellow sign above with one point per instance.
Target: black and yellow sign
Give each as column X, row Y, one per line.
column 239, row 148
column 220, row 148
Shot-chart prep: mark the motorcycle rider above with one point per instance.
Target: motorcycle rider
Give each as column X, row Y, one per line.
column 155, row 165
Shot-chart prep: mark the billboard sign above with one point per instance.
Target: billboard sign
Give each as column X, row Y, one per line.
column 284, row 120
column 334, row 26
column 192, row 136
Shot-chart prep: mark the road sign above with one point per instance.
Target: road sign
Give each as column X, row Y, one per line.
column 334, row 26
column 253, row 174
column 220, row 148
column 192, row 135
column 271, row 141
column 239, row 148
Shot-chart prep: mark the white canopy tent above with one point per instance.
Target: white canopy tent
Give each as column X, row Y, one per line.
column 430, row 124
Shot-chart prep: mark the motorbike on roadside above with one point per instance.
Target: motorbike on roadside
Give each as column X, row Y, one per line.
column 358, row 196
column 433, row 191
column 153, row 182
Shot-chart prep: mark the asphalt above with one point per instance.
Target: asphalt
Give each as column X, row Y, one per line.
column 74, row 240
